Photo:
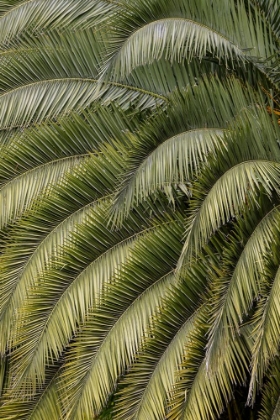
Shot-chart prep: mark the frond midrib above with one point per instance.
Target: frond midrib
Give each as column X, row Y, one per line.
column 43, row 165
column 180, row 19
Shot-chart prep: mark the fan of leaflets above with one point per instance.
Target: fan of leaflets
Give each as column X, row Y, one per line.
column 139, row 209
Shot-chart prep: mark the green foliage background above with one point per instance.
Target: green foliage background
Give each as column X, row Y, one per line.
column 139, row 209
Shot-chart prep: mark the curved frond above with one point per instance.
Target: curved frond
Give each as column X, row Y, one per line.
column 34, row 16
column 44, row 406
column 225, row 199
column 18, row 194
column 157, row 383
column 57, row 56
column 104, row 357
column 147, row 386
column 94, row 262
column 173, row 162
column 233, row 176
column 159, row 149
column 149, row 31
column 88, row 183
column 51, row 98
column 74, row 134
column 199, row 394
column 42, row 100
column 271, row 396
column 174, row 39
column 266, row 323
column 237, row 282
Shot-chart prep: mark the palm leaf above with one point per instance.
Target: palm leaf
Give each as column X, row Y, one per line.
column 103, row 357
column 157, row 40
column 175, row 161
column 270, row 11
column 224, row 200
column 187, row 31
column 265, row 333
column 271, row 396
column 35, row 16
column 49, row 99
column 74, row 134
column 147, row 386
column 31, row 250
column 248, row 168
column 18, row 194
column 92, row 269
column 237, row 281
column 198, row 393
column 45, row 404
column 55, row 56
column 159, row 154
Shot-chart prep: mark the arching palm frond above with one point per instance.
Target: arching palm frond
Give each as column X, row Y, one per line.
column 146, row 389
column 192, row 30
column 139, row 186
column 26, row 18
column 175, row 144
column 17, row 194
column 32, row 249
column 142, row 286
column 200, row 394
column 245, row 168
column 270, row 401
column 238, row 281
column 45, row 404
column 265, row 334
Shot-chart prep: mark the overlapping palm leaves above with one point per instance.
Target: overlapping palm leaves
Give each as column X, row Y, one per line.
column 139, row 170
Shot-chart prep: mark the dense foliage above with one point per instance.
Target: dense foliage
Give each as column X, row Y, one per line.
column 139, row 209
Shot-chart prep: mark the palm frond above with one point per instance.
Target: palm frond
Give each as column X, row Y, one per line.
column 270, row 10
column 92, row 268
column 164, row 77
column 148, row 32
column 18, row 194
column 237, row 282
column 74, row 134
column 271, row 396
column 245, row 168
column 198, row 393
column 37, row 252
column 104, row 357
column 27, row 18
column 225, row 199
column 161, row 138
column 174, row 162
column 44, row 405
column 146, row 388
column 59, row 55
column 266, row 322
column 31, row 249
column 174, row 39
column 44, row 100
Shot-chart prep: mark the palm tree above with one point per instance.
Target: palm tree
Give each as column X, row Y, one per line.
column 140, row 209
